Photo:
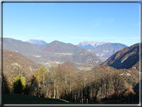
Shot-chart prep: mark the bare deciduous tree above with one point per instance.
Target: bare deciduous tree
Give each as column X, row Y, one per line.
column 118, row 83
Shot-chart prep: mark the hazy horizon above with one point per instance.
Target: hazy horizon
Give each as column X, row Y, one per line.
column 67, row 42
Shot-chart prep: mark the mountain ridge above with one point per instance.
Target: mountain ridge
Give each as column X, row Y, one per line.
column 104, row 51
column 57, row 46
column 125, row 58
column 90, row 44
column 18, row 63
column 36, row 41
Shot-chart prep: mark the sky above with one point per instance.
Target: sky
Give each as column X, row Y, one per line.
column 73, row 22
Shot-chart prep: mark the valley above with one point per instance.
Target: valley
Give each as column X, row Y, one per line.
column 60, row 52
column 65, row 71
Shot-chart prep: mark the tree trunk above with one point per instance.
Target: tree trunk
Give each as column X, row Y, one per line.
column 54, row 89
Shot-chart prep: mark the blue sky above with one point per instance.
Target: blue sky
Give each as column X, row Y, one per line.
column 72, row 22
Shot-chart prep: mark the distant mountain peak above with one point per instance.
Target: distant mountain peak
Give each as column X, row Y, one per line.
column 90, row 44
column 56, row 41
column 37, row 41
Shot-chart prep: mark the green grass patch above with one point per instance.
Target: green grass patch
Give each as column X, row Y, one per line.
column 26, row 99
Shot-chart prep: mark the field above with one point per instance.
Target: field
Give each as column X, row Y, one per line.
column 26, row 99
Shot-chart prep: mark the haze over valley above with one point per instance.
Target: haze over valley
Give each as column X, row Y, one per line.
column 47, row 53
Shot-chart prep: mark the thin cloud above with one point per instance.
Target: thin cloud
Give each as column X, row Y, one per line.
column 133, row 38
column 112, row 37
column 109, row 20
column 99, row 22
column 96, row 22
column 127, row 42
column 105, row 36
column 124, row 38
column 74, row 37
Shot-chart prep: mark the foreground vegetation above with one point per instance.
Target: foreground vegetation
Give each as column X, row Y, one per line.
column 63, row 82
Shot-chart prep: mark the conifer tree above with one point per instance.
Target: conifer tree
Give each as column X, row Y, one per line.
column 5, row 86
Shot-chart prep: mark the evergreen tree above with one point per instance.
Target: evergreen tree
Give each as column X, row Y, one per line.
column 5, row 87
column 19, row 84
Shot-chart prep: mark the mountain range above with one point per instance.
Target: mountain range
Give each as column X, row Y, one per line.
column 60, row 52
column 106, row 50
column 19, row 46
column 60, row 47
column 55, row 51
column 90, row 44
column 102, row 49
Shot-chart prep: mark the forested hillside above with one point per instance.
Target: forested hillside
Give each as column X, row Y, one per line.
column 125, row 58
column 66, row 82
